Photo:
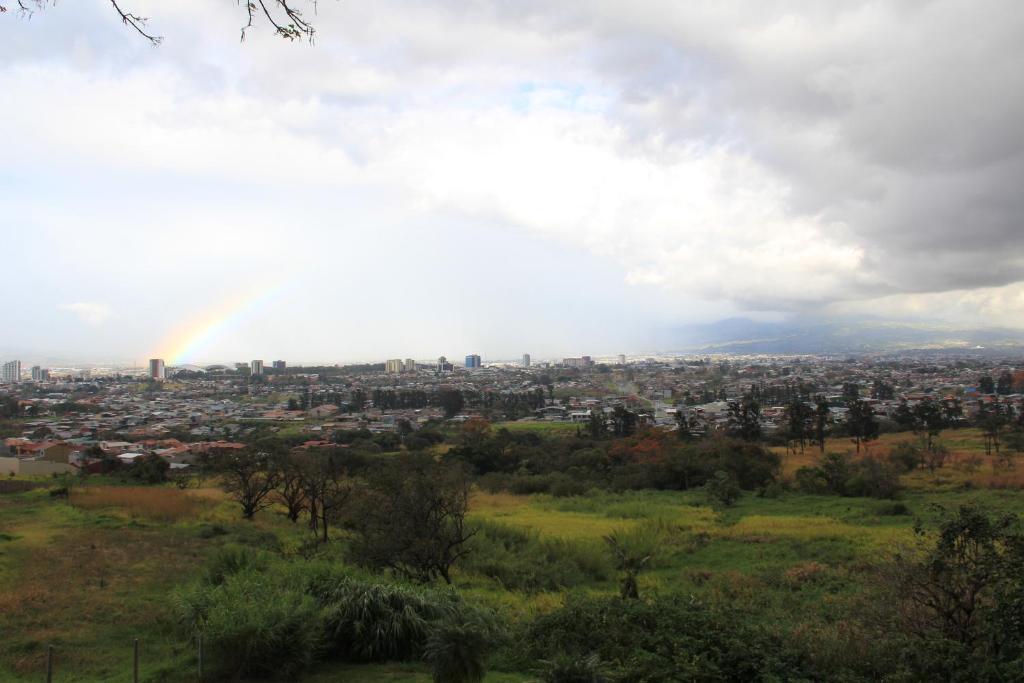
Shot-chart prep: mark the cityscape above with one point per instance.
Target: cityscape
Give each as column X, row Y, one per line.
column 176, row 413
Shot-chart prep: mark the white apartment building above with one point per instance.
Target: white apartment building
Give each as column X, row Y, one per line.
column 11, row 372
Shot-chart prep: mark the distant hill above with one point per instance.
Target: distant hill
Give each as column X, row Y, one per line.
column 862, row 335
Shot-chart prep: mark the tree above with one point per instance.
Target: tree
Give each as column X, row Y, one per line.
column 451, row 402
column 597, row 425
column 1004, row 384
column 249, row 477
column 150, row 469
column 411, row 518
column 821, row 414
column 861, row 423
column 632, row 554
column 928, row 421
column 904, row 416
column 745, row 419
column 986, row 385
column 291, row 487
column 797, row 416
column 623, row 421
column 722, row 488
column 945, row 588
column 883, row 391
column 327, row 488
column 685, row 423
column 991, row 419
column 287, row 21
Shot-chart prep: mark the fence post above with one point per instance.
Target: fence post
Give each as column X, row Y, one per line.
column 200, row 656
column 135, row 667
column 49, row 664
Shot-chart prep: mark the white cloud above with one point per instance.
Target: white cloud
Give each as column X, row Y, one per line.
column 89, row 312
column 777, row 157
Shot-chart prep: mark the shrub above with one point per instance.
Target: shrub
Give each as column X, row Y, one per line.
column 456, row 650
column 565, row 669
column 231, row 559
column 253, row 625
column 670, row 639
column 811, row 480
column 906, row 456
column 211, row 531
column 873, row 478
column 722, row 488
column 377, row 622
column 563, row 486
column 892, row 510
column 520, row 560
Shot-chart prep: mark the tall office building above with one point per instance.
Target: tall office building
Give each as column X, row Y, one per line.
column 526, row 360
column 622, row 359
column 157, row 369
column 280, row 365
column 393, row 366
column 11, row 372
column 40, row 374
column 410, row 365
column 472, row 361
column 256, row 368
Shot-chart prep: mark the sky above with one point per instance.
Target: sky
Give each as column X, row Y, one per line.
column 489, row 177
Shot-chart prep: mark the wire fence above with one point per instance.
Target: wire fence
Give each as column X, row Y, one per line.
column 135, row 660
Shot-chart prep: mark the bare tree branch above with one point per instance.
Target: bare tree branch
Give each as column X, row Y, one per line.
column 287, row 21
column 136, row 22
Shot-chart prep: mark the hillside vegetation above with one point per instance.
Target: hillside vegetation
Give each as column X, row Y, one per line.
column 772, row 582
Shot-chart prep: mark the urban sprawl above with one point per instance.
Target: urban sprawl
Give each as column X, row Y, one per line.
column 70, row 420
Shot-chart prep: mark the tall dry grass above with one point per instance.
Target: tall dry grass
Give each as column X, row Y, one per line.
column 163, row 504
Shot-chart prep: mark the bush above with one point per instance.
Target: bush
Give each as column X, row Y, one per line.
column 841, row 476
column 723, row 489
column 520, row 560
column 873, row 478
column 261, row 616
column 230, row 560
column 379, row 622
column 253, row 625
column 671, row 639
column 565, row 669
column 892, row 510
column 563, row 486
column 456, row 650
column 906, row 456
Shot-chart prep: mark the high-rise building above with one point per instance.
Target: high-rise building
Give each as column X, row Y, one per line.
column 393, row 366
column 40, row 374
column 410, row 365
column 157, row 369
column 472, row 361
column 256, row 368
column 280, row 365
column 526, row 360
column 622, row 359
column 11, row 372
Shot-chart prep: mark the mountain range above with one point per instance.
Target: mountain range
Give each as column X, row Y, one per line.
column 838, row 336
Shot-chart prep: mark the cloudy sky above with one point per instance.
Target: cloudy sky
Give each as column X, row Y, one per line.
column 499, row 177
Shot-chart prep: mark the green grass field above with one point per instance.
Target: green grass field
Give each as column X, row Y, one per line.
column 91, row 573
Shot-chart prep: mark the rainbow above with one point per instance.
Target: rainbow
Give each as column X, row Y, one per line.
column 189, row 342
